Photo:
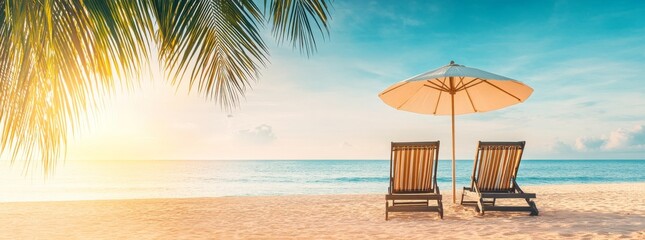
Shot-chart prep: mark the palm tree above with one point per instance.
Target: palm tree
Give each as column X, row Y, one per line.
column 61, row 59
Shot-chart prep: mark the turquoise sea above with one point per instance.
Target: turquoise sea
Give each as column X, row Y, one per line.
column 84, row 180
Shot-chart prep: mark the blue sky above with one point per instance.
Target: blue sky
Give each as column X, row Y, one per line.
column 584, row 59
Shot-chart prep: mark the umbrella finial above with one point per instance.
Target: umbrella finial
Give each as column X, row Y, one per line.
column 452, row 62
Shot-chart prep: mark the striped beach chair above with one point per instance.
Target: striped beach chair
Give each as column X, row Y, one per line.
column 413, row 178
column 494, row 176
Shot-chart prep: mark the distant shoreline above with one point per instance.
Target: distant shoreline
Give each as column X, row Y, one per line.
column 444, row 190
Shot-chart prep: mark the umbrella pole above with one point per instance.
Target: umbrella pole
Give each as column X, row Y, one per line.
column 452, row 101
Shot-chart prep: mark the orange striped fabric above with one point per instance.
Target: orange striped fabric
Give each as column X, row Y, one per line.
column 497, row 165
column 413, row 167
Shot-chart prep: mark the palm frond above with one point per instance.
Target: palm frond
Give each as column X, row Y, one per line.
column 292, row 21
column 216, row 42
column 60, row 59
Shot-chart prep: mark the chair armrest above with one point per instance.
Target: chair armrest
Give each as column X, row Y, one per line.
column 436, row 187
column 517, row 187
column 475, row 188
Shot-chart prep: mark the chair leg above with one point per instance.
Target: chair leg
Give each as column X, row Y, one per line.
column 463, row 192
column 480, row 205
column 494, row 199
column 440, row 204
column 535, row 211
column 386, row 206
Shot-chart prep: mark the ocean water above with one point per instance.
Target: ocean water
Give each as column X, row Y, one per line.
column 89, row 180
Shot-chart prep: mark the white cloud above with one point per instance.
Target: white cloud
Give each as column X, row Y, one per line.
column 589, row 143
column 262, row 134
column 561, row 147
column 617, row 140
column 347, row 145
column 627, row 138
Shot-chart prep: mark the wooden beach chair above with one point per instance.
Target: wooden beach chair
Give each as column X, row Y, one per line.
column 494, row 174
column 413, row 178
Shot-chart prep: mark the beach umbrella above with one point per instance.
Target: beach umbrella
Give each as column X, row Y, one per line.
column 452, row 90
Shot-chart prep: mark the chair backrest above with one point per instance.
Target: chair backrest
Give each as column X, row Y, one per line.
column 413, row 167
column 496, row 164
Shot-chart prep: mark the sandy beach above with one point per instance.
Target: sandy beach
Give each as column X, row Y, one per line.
column 605, row 211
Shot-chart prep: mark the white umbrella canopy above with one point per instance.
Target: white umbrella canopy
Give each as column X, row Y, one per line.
column 474, row 91
column 452, row 90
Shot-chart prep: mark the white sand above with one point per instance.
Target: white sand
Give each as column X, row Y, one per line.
column 606, row 211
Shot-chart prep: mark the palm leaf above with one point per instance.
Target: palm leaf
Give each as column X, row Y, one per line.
column 292, row 21
column 60, row 58
column 217, row 42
